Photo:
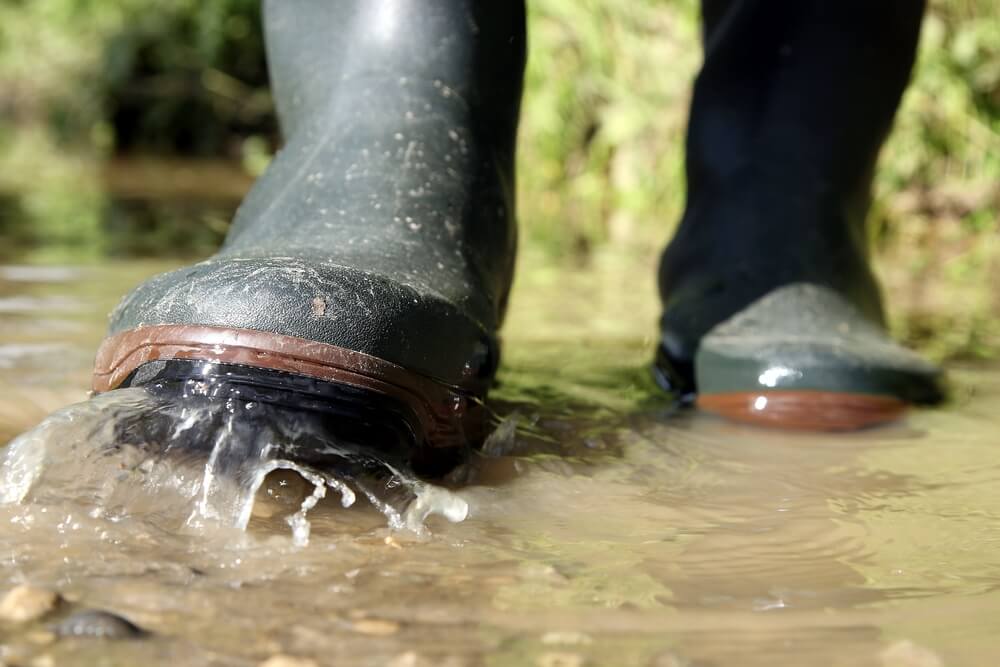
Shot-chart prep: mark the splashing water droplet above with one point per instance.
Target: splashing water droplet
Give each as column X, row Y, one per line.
column 194, row 463
column 433, row 500
column 299, row 523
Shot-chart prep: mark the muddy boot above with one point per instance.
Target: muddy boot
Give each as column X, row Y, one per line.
column 771, row 311
column 367, row 272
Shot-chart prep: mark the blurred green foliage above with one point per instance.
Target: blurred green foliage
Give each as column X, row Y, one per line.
column 84, row 81
column 88, row 82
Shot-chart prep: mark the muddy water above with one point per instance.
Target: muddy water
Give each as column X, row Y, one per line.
column 602, row 528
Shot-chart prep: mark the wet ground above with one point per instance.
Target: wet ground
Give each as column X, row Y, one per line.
column 603, row 528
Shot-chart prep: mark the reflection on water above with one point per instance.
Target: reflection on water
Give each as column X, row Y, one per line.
column 602, row 528
column 71, row 207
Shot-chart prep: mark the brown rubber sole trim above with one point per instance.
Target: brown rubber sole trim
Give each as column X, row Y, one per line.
column 805, row 410
column 445, row 416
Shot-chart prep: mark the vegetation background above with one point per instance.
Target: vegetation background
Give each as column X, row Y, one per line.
column 132, row 127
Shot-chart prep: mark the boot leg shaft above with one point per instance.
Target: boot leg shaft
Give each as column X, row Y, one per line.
column 474, row 48
column 788, row 114
column 404, row 115
column 766, row 285
column 808, row 86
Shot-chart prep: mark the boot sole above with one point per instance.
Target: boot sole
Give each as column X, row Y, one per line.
column 444, row 416
column 805, row 410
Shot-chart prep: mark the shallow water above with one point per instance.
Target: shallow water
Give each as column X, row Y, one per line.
column 602, row 528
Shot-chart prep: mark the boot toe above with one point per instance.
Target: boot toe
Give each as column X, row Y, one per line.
column 803, row 357
column 321, row 302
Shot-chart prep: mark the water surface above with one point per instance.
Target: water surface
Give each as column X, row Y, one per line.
column 603, row 528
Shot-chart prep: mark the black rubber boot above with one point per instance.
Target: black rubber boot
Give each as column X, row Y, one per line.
column 376, row 252
column 771, row 312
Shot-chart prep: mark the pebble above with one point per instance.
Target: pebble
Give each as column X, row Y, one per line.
column 560, row 659
column 41, row 637
column 377, row 627
column 670, row 659
column 408, row 659
column 288, row 661
column 26, row 603
column 99, row 625
column 414, row 659
column 567, row 638
column 905, row 653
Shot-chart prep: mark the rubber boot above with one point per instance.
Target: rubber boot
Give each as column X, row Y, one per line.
column 376, row 253
column 771, row 311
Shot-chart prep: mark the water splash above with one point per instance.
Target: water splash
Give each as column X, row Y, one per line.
column 191, row 463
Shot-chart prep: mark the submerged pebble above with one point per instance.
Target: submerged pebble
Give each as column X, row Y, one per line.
column 905, row 653
column 566, row 637
column 99, row 625
column 558, row 659
column 43, row 660
column 27, row 603
column 376, row 627
column 288, row 661
column 41, row 637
